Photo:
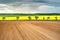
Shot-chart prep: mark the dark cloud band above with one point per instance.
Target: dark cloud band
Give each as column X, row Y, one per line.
column 49, row 2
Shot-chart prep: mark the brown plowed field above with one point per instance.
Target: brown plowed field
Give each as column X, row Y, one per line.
column 29, row 30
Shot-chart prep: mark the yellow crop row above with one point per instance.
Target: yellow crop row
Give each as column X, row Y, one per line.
column 31, row 18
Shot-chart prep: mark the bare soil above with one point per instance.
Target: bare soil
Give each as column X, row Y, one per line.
column 29, row 30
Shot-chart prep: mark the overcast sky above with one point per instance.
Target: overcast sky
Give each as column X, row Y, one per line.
column 29, row 6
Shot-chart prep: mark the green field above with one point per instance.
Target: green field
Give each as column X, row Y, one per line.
column 36, row 14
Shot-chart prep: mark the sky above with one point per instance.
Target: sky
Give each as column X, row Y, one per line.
column 29, row 6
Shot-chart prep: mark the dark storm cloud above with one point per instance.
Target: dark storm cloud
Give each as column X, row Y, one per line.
column 48, row 2
column 43, row 1
column 9, row 1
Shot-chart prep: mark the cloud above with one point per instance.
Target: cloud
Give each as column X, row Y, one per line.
column 50, row 2
column 28, row 8
column 49, row 9
column 24, row 8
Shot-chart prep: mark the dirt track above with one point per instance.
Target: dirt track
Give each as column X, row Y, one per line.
column 25, row 30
